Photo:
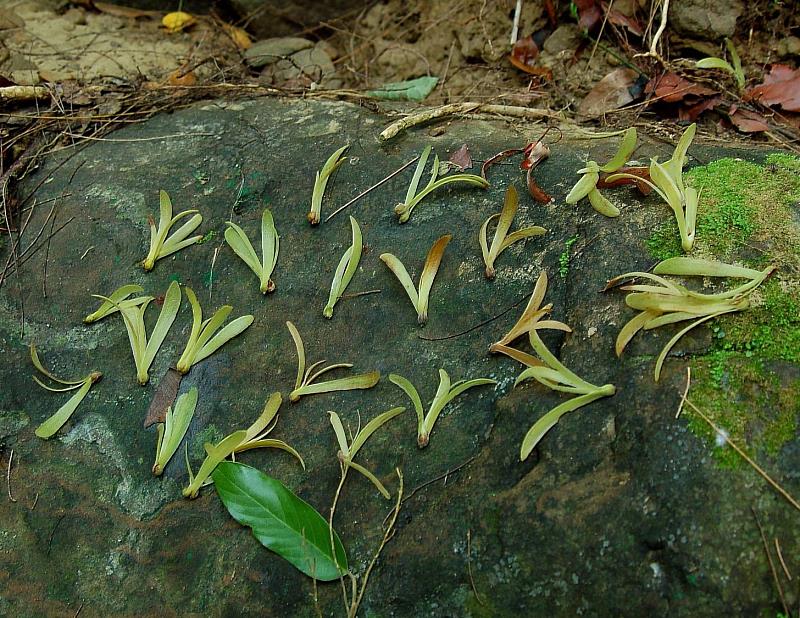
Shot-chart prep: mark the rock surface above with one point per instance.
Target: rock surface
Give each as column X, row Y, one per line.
column 705, row 19
column 621, row 510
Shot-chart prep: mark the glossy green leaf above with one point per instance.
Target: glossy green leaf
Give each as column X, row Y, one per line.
column 410, row 90
column 626, row 148
column 345, row 270
column 160, row 245
column 581, row 189
column 321, row 182
column 173, row 430
column 115, row 298
column 280, row 520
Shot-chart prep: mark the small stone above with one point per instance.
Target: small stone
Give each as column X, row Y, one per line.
column 315, row 63
column 705, row 19
column 564, row 38
column 790, row 46
column 269, row 51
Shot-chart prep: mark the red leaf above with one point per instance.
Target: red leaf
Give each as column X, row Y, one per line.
column 671, row 88
column 589, row 14
column 611, row 92
column 747, row 121
column 461, row 158
column 619, row 19
column 691, row 112
column 781, row 87
column 524, row 54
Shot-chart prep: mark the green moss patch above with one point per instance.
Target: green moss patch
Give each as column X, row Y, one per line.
column 749, row 214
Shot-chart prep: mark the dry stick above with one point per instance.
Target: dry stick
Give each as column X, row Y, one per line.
column 745, row 456
column 35, row 501
column 462, row 108
column 387, row 536
column 469, row 569
column 782, row 561
column 375, row 186
column 685, row 391
column 24, row 256
column 8, row 476
column 357, row 294
column 600, row 34
column 771, row 563
column 478, row 325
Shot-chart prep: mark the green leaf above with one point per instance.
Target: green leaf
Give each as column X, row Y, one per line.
column 601, row 204
column 280, row 520
column 410, row 90
column 174, row 429
column 715, row 63
column 581, row 189
column 626, row 148
column 111, row 305
column 410, row 390
column 55, row 422
column 703, row 268
column 345, row 270
column 357, row 382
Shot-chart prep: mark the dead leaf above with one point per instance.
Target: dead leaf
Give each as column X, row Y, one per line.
column 611, row 92
column 589, row 14
column 781, row 87
column 524, row 54
column 747, row 121
column 179, row 78
column 691, row 112
column 164, row 397
column 631, row 23
column 122, row 11
column 177, row 21
column 461, row 158
column 671, row 88
column 238, row 36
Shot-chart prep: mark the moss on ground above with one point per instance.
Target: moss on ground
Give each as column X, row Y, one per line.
column 748, row 213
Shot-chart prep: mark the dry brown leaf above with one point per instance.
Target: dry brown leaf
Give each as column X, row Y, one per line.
column 524, row 54
column 238, row 36
column 611, row 92
column 671, row 88
column 461, row 158
column 781, row 87
column 179, row 78
column 122, row 11
column 747, row 121
column 691, row 112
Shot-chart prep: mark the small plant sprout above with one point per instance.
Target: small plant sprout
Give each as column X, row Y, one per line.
column 668, row 302
column 667, row 181
column 118, row 297
column 403, row 209
column 263, row 268
column 172, row 431
column 202, row 340
column 321, row 181
column 348, row 452
column 345, row 270
column 144, row 349
column 444, row 395
column 734, row 67
column 419, row 296
column 160, row 245
column 529, row 321
column 587, row 185
column 502, row 239
column 49, row 427
column 304, row 384
column 238, row 442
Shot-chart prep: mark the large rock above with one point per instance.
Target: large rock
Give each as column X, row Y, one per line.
column 621, row 510
column 705, row 19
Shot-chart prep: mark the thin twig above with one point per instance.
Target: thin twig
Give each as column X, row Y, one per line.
column 79, row 610
column 8, row 476
column 685, row 391
column 478, row 325
column 771, row 563
column 600, row 34
column 469, row 569
column 53, row 533
column 462, row 108
column 35, row 501
column 375, row 186
column 782, row 561
column 138, row 139
column 745, row 456
column 357, row 294
column 444, row 475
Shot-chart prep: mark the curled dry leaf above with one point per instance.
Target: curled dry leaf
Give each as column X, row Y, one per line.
column 611, row 92
column 672, row 88
column 781, row 87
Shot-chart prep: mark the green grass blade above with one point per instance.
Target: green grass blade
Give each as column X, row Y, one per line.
column 270, row 443
column 633, row 326
column 301, row 354
column 240, row 243
column 423, row 161
column 626, row 148
column 270, row 245
column 686, row 266
column 231, row 330
column 265, row 418
column 169, row 309
column 371, row 427
column 357, row 382
column 215, row 454
column 549, row 420
column 413, row 395
column 373, row 479
column 399, row 270
column 671, row 343
column 110, row 306
column 432, row 262
column 341, row 436
column 40, row 367
column 49, row 427
column 175, row 430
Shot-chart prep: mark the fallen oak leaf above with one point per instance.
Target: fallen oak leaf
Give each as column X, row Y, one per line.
column 524, row 53
column 611, row 92
column 672, row 88
column 781, row 87
column 691, row 112
column 461, row 158
column 747, row 121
